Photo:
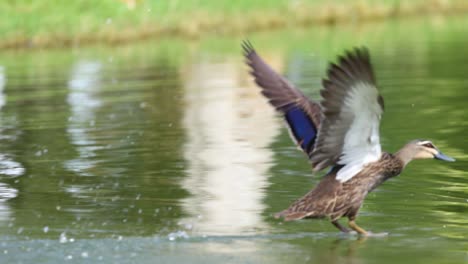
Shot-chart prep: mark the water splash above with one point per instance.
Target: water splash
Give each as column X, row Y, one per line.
column 178, row 234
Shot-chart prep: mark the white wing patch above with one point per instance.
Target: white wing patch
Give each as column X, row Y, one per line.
column 362, row 141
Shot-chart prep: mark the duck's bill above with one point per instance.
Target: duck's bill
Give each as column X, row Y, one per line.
column 442, row 156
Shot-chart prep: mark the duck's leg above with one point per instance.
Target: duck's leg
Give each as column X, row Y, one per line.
column 355, row 227
column 340, row 227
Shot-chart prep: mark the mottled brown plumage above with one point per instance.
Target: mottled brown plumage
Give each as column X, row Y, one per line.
column 334, row 199
column 347, row 121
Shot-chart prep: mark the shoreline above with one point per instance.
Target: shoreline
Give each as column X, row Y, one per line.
column 299, row 15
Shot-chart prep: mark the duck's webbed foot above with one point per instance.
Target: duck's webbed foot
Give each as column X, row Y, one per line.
column 340, row 227
column 356, row 228
column 363, row 232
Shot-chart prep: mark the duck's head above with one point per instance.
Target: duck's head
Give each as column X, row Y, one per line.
column 427, row 150
column 422, row 149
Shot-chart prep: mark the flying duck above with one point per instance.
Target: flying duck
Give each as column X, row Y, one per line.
column 340, row 132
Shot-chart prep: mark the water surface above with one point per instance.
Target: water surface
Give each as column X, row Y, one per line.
column 164, row 152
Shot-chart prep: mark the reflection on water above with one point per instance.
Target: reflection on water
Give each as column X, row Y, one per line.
column 229, row 128
column 6, row 193
column 8, row 167
column 83, row 85
column 2, row 86
column 169, row 158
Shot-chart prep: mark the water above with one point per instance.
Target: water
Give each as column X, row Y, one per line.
column 164, row 152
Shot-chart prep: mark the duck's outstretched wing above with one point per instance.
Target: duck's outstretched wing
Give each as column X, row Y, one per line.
column 302, row 115
column 352, row 108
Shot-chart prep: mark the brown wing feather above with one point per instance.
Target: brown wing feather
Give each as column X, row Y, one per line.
column 280, row 93
column 353, row 68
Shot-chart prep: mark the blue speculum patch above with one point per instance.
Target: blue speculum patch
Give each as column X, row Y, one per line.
column 302, row 127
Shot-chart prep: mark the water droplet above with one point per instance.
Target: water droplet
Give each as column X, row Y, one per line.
column 45, row 229
column 84, row 254
column 58, row 207
column 69, row 257
column 63, row 238
column 179, row 234
column 20, row 230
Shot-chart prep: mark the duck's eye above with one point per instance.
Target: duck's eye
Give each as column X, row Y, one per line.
column 429, row 145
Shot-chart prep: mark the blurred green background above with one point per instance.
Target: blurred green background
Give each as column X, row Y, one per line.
column 56, row 23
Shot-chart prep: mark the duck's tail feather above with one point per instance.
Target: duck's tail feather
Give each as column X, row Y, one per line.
column 290, row 216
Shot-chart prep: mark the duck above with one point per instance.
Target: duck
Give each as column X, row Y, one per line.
column 340, row 132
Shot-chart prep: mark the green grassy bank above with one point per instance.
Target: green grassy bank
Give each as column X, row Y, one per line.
column 58, row 23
